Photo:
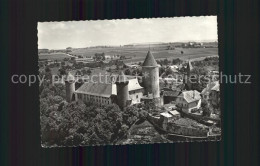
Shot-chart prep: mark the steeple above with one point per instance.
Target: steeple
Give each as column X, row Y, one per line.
column 149, row 60
column 186, row 80
column 189, row 66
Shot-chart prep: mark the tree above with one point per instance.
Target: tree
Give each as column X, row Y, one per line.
column 165, row 61
column 198, row 78
column 89, row 72
column 47, row 70
column 128, row 72
column 161, row 70
column 84, row 71
column 122, row 57
column 62, row 71
column 176, row 61
column 130, row 115
column 205, row 108
column 136, row 72
column 99, row 57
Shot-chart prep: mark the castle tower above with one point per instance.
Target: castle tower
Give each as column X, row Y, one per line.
column 70, row 87
column 122, row 90
column 188, row 72
column 150, row 72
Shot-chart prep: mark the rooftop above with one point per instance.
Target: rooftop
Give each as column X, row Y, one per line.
column 106, row 89
column 174, row 112
column 209, row 87
column 97, row 89
column 149, row 60
column 166, row 114
column 216, row 87
column 174, row 93
column 190, row 96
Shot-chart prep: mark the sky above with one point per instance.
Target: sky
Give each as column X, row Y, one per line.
column 80, row 34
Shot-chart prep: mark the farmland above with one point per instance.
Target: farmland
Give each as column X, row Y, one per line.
column 137, row 53
column 53, row 56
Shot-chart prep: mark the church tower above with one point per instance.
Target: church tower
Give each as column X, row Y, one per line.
column 122, row 90
column 150, row 72
column 70, row 87
column 189, row 68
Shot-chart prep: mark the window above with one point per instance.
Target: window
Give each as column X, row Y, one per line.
column 137, row 96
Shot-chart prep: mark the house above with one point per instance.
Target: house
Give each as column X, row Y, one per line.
column 206, row 91
column 214, row 96
column 175, row 67
column 165, row 117
column 107, row 57
column 170, row 95
column 133, row 66
column 189, row 100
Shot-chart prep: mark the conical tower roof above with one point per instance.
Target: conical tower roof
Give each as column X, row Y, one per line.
column 149, row 60
column 121, row 77
column 69, row 77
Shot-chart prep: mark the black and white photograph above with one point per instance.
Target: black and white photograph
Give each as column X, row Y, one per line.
column 129, row 81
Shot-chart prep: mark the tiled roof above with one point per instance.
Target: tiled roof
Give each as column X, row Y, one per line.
column 149, row 60
column 209, row 87
column 171, row 93
column 134, row 85
column 105, row 89
column 97, row 89
column 166, row 114
column 190, row 96
column 216, row 87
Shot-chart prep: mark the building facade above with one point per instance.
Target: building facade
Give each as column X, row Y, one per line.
column 189, row 100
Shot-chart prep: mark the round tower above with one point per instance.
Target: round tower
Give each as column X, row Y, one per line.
column 122, row 90
column 70, row 87
column 150, row 72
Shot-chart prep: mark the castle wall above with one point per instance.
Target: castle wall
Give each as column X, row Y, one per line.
column 93, row 98
column 151, row 80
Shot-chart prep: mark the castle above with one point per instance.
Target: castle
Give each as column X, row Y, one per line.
column 125, row 91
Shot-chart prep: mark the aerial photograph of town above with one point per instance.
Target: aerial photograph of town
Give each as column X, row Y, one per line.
column 132, row 81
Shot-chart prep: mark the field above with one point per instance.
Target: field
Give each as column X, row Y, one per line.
column 138, row 53
column 53, row 56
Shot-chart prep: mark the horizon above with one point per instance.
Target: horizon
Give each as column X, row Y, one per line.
column 83, row 34
column 152, row 43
